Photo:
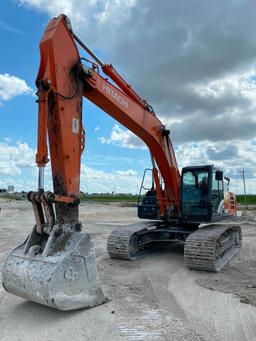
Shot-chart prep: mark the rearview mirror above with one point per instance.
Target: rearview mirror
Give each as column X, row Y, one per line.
column 219, row 175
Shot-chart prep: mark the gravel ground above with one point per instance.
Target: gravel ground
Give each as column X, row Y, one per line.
column 153, row 298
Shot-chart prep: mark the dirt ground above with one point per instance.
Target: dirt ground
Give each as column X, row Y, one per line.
column 239, row 278
column 153, row 298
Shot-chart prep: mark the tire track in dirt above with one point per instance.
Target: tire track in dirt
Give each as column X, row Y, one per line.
column 228, row 319
column 137, row 318
column 141, row 313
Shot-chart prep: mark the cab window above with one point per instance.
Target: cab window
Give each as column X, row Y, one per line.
column 195, row 192
column 217, row 194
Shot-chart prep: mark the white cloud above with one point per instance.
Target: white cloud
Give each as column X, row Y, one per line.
column 11, row 86
column 96, row 129
column 201, row 75
column 83, row 13
column 236, row 84
column 123, row 138
column 99, row 181
column 17, row 167
column 231, row 158
column 15, row 157
column 129, row 172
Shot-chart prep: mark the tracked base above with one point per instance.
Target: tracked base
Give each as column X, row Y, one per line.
column 210, row 248
column 59, row 272
column 126, row 241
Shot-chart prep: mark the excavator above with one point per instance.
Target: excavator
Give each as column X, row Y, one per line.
column 56, row 264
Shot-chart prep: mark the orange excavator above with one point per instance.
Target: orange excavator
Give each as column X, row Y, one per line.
column 56, row 265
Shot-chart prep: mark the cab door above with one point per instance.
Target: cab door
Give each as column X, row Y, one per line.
column 217, row 193
column 195, row 198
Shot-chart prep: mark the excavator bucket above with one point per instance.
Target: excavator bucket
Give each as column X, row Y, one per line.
column 56, row 270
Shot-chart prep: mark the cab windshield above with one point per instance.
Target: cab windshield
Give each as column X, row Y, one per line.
column 195, row 192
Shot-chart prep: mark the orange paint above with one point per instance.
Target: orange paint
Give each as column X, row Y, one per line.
column 59, row 67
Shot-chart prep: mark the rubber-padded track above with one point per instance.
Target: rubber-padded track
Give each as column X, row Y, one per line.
column 211, row 247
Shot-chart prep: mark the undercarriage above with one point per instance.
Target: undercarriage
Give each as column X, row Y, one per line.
column 208, row 248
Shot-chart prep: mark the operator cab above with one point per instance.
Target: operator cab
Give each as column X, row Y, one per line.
column 202, row 193
column 205, row 196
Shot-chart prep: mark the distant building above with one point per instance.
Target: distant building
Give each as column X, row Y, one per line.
column 3, row 190
column 10, row 189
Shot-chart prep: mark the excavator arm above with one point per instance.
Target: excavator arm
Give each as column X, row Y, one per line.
column 62, row 81
column 60, row 92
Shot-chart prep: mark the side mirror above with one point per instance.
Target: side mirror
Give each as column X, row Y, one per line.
column 219, row 175
column 227, row 179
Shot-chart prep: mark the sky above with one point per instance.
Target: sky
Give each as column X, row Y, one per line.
column 194, row 62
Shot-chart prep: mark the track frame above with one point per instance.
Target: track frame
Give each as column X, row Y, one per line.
column 207, row 248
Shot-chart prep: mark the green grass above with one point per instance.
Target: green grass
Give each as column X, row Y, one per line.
column 13, row 196
column 250, row 199
column 110, row 198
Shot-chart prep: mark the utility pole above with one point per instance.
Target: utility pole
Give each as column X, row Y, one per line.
column 244, row 186
column 114, row 191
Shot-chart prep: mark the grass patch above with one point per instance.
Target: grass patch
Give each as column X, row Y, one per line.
column 110, row 198
column 250, row 199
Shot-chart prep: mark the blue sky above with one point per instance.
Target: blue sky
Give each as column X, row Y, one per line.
column 200, row 86
column 20, row 32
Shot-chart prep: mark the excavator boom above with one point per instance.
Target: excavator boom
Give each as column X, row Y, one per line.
column 65, row 85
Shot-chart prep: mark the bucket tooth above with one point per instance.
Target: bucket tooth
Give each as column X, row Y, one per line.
column 58, row 270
